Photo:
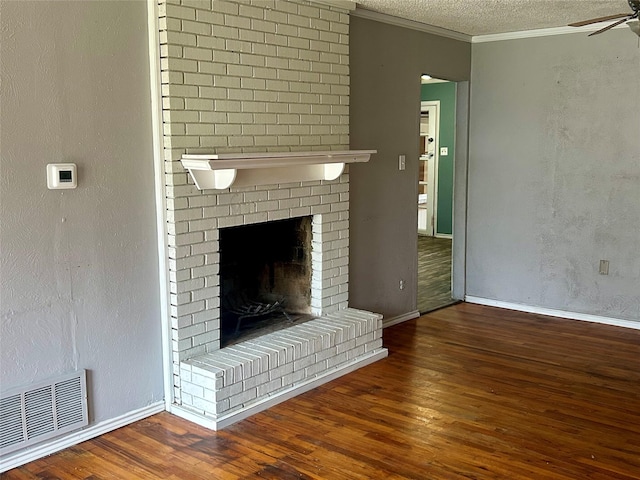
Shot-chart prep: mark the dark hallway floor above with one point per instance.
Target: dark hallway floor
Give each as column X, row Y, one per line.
column 434, row 273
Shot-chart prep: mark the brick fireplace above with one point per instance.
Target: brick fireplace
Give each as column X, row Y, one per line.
column 256, row 76
column 229, row 383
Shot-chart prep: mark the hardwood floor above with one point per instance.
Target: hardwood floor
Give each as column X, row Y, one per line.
column 466, row 392
column 434, row 273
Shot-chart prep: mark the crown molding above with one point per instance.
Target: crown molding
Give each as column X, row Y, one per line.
column 401, row 22
column 496, row 37
column 348, row 5
column 540, row 32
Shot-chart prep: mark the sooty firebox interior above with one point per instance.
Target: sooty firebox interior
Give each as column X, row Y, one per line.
column 265, row 276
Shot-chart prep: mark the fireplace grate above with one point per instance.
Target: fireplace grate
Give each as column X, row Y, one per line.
column 252, row 308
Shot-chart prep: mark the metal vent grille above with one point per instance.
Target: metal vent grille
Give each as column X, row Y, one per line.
column 42, row 411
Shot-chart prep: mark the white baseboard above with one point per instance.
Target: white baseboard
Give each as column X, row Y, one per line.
column 444, row 235
column 388, row 322
column 226, row 420
column 55, row 445
column 554, row 313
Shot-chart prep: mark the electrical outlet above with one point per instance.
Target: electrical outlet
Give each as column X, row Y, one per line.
column 401, row 285
column 402, row 162
column 604, row 267
column 444, row 151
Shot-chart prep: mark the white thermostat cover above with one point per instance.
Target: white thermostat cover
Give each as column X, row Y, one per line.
column 61, row 175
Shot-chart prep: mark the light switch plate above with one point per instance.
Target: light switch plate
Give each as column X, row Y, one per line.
column 402, row 162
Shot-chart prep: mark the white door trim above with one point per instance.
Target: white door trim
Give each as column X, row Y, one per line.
column 433, row 107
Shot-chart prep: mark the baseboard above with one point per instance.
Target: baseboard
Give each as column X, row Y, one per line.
column 29, row 455
column 444, row 235
column 389, row 322
column 226, row 420
column 617, row 322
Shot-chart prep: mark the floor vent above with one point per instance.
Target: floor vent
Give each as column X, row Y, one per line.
column 45, row 410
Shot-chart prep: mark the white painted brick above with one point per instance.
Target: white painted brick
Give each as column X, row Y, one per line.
column 200, row 369
column 224, row 6
column 281, row 371
column 252, row 362
column 285, row 350
column 356, row 352
column 373, row 345
column 316, row 368
column 253, row 12
column 212, row 18
column 262, row 26
column 180, row 12
column 293, row 378
column 212, row 303
column 205, row 271
column 337, row 360
column 230, row 221
column 301, row 211
column 253, row 382
column 205, row 338
column 267, row 206
column 266, row 357
column 256, row 218
column 326, row 354
column 278, row 215
column 206, row 293
column 242, row 209
column 242, row 398
column 185, row 376
column 269, row 387
column 304, row 362
column 226, row 392
column 192, row 389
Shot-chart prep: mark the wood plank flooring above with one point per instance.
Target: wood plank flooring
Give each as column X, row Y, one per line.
column 466, row 392
column 434, row 273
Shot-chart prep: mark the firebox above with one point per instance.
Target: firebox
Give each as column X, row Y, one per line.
column 265, row 277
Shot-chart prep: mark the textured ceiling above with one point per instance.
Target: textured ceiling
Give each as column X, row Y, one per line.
column 484, row 17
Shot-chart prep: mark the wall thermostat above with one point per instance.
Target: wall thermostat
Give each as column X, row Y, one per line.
column 61, row 175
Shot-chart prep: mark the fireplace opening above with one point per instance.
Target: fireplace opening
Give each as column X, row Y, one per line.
column 265, row 277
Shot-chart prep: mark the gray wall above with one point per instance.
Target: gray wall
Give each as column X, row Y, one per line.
column 78, row 268
column 386, row 64
column 554, row 173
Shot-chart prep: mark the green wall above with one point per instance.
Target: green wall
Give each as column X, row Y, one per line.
column 446, row 93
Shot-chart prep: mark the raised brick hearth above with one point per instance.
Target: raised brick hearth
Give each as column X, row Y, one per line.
column 235, row 381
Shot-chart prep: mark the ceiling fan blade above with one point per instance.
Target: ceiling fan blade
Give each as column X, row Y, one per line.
column 598, row 20
column 609, row 27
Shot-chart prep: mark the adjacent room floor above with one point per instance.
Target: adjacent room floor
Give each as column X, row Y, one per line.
column 434, row 273
column 467, row 392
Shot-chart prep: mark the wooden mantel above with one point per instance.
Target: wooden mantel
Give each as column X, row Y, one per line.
column 221, row 171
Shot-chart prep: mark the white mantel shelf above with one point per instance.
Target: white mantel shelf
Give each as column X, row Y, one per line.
column 221, row 171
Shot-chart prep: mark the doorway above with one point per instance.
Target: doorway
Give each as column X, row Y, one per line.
column 435, row 193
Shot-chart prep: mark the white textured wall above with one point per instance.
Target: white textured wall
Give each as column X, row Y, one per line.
column 554, row 174
column 78, row 268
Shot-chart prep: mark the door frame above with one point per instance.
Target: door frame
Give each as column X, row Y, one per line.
column 433, row 107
